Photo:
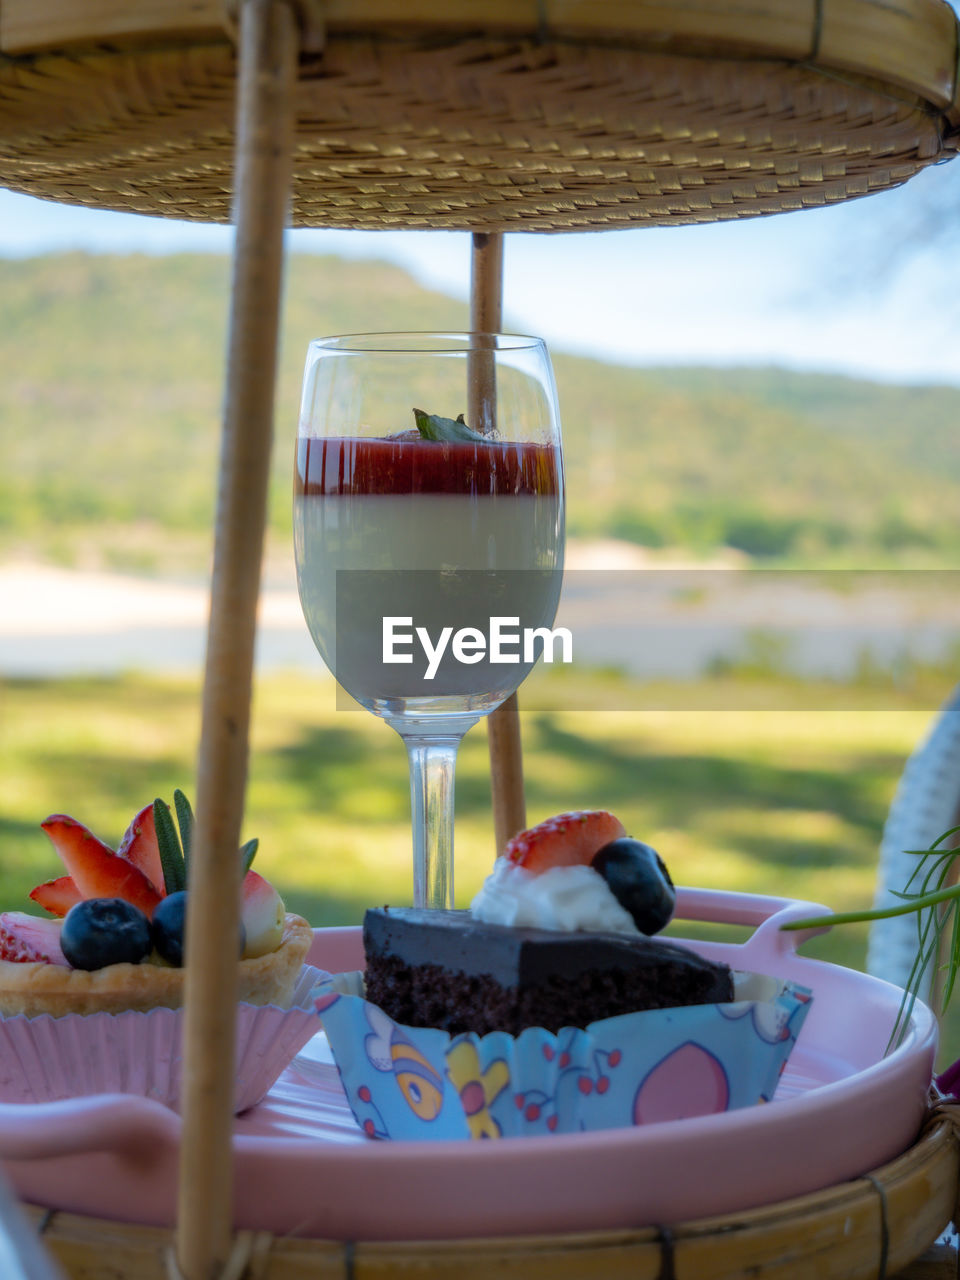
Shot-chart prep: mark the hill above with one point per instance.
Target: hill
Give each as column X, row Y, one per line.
column 111, row 372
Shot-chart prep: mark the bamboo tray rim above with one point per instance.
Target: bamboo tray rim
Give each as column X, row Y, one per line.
column 914, row 45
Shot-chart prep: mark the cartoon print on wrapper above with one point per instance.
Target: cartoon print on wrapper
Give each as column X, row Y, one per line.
column 389, row 1050
column 588, row 1071
column 540, row 1083
column 705, row 1086
column 373, row 1128
column 477, row 1089
column 773, row 1022
column 772, row 1019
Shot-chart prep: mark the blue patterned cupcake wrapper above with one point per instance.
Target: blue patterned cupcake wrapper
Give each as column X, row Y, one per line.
column 640, row 1068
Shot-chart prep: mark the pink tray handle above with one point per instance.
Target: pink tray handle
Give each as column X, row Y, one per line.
column 120, row 1123
column 340, row 949
column 768, row 942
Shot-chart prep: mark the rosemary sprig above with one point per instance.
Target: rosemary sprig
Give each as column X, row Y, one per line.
column 168, row 843
column 935, row 907
column 175, row 849
column 185, row 823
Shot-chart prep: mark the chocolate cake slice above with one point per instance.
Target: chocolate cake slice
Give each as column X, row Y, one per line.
column 444, row 969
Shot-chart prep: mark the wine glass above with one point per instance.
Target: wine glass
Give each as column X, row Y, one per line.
column 428, row 531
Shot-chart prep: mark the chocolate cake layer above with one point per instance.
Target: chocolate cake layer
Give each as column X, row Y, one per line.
column 444, row 969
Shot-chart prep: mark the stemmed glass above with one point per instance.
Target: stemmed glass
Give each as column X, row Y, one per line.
column 428, row 530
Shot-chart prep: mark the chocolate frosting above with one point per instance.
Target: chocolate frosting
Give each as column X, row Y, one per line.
column 526, row 957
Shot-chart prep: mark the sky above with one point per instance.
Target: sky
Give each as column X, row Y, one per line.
column 870, row 288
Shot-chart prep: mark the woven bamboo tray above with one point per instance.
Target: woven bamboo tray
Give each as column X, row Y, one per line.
column 488, row 115
column 870, row 1227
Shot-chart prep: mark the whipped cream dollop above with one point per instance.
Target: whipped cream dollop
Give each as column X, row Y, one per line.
column 568, row 899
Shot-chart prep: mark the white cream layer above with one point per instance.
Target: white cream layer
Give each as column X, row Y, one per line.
column 568, row 899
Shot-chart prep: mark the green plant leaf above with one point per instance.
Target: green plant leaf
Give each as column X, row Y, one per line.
column 168, row 844
column 935, row 905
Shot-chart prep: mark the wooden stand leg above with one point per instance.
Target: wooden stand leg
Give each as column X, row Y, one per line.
column 503, row 725
column 268, row 64
column 506, row 772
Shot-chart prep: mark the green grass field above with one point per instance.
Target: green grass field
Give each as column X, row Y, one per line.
column 785, row 802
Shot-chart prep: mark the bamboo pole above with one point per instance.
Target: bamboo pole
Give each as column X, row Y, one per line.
column 503, row 725
column 506, row 771
column 268, row 48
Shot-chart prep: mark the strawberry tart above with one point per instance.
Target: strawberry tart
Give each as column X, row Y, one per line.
column 114, row 937
column 560, row 935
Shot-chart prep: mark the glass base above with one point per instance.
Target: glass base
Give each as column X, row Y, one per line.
column 440, row 711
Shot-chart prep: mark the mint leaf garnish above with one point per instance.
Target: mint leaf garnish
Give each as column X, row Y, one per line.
column 433, row 427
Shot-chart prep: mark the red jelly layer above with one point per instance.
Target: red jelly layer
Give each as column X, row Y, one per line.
column 342, row 466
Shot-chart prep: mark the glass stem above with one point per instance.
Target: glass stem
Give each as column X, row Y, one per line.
column 433, row 762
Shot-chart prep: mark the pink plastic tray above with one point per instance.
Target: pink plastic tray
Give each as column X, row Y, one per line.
column 303, row 1168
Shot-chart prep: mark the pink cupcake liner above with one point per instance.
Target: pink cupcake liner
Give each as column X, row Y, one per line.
column 44, row 1059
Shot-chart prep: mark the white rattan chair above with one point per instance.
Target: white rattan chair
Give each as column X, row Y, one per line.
column 925, row 805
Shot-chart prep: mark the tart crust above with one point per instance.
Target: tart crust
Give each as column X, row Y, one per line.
column 37, row 988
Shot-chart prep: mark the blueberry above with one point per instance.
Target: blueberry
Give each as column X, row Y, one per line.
column 169, row 924
column 639, row 881
column 169, row 928
column 102, row 931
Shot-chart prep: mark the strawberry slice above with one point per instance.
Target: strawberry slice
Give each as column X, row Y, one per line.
column 262, row 912
column 566, row 840
column 57, row 896
column 95, row 868
column 139, row 846
column 27, row 939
